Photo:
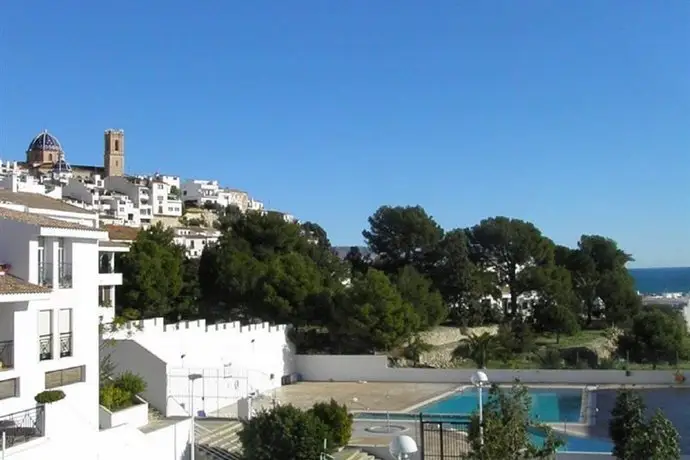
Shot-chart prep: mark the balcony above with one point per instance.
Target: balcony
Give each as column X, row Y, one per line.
column 45, row 347
column 107, row 275
column 24, row 426
column 45, row 274
column 65, row 344
column 6, row 355
column 65, row 275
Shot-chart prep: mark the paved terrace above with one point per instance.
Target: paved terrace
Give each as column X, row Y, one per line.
column 370, row 396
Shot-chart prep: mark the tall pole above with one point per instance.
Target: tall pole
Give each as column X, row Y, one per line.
column 481, row 418
column 192, row 435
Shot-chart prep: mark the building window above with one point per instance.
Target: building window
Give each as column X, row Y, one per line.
column 117, row 163
column 64, row 377
column 9, row 388
column 117, row 145
column 65, row 329
column 45, row 335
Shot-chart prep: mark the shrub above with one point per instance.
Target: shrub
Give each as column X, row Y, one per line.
column 49, row 396
column 337, row 419
column 114, row 398
column 131, row 383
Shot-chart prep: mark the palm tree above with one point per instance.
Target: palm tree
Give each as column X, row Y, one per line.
column 414, row 350
column 480, row 348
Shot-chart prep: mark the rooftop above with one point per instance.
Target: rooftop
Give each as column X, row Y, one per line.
column 121, row 232
column 10, row 284
column 36, row 201
column 39, row 220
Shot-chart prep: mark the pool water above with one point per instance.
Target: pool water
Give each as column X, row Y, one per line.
column 549, row 405
column 576, row 443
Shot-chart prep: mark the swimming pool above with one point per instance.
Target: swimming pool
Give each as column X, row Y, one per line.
column 549, row 405
column 575, row 443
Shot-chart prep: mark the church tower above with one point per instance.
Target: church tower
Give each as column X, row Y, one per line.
column 114, row 155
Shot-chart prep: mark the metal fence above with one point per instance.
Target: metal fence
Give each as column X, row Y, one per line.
column 21, row 427
column 443, row 437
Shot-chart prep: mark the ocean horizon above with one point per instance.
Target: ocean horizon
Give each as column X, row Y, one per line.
column 661, row 280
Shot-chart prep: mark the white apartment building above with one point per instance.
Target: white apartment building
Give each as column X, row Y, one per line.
column 151, row 196
column 195, row 239
column 20, row 181
column 9, row 167
column 203, row 192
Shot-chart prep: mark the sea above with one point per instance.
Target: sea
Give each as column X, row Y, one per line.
column 661, row 280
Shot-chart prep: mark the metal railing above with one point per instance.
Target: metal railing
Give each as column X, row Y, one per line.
column 45, row 274
column 24, row 426
column 45, row 347
column 6, row 354
column 65, row 275
column 65, row 344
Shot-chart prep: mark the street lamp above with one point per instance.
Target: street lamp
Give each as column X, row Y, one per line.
column 192, row 378
column 480, row 380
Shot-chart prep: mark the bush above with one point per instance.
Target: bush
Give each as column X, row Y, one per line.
column 338, row 421
column 114, row 398
column 284, row 432
column 131, row 383
column 49, row 396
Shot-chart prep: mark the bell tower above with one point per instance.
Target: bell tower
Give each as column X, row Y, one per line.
column 114, row 153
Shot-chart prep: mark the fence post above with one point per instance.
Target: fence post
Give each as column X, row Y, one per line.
column 421, row 437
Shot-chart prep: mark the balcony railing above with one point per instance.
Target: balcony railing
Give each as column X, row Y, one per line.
column 6, row 354
column 24, row 426
column 65, row 275
column 45, row 274
column 45, row 347
column 65, row 344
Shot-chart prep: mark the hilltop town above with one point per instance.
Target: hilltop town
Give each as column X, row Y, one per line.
column 125, row 202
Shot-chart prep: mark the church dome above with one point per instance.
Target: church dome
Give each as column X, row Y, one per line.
column 45, row 142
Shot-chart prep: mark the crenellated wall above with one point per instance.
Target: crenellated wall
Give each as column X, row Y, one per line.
column 234, row 360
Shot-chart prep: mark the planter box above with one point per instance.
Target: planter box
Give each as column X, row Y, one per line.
column 136, row 415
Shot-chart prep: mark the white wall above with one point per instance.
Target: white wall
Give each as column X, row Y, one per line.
column 136, row 415
column 374, row 368
column 234, row 360
column 126, row 354
column 171, row 442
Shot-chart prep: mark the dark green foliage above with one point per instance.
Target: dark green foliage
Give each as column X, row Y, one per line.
column 284, row 432
column 152, row 273
column 635, row 438
column 130, row 382
column 120, row 393
column 338, row 421
column 420, row 293
column 49, row 396
column 506, row 428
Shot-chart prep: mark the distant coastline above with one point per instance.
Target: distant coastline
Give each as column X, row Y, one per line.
column 661, row 280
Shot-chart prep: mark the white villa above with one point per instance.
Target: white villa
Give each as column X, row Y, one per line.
column 50, row 253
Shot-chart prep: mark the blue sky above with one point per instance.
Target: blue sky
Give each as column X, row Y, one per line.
column 573, row 115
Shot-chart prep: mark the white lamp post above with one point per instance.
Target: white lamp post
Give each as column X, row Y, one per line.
column 480, row 380
column 192, row 378
column 402, row 447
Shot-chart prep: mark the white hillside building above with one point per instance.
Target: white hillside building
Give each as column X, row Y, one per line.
column 195, row 239
column 204, row 192
column 50, row 254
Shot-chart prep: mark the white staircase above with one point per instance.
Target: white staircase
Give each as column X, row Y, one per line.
column 223, row 443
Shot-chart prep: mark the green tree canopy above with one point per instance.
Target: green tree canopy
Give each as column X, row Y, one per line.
column 634, row 438
column 510, row 248
column 418, row 291
column 152, row 273
column 284, row 432
column 402, row 235
column 656, row 336
column 371, row 315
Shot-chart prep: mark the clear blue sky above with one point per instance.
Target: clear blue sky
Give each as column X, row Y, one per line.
column 574, row 115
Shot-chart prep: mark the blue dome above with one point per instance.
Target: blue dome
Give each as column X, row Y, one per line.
column 62, row 166
column 45, row 142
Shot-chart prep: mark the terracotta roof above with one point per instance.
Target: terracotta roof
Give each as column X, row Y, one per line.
column 36, row 201
column 10, row 284
column 121, row 232
column 41, row 221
